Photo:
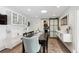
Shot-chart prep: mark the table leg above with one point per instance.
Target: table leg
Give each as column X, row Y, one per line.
column 23, row 50
column 43, row 49
column 47, row 49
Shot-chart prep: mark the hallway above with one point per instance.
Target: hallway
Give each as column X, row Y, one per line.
column 39, row 29
column 54, row 46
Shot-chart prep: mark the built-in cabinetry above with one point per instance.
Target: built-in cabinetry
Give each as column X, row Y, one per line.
column 66, row 39
column 14, row 29
column 16, row 18
column 10, row 34
column 14, row 34
column 2, row 36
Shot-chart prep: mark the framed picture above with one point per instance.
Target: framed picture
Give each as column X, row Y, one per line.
column 64, row 21
column 8, row 16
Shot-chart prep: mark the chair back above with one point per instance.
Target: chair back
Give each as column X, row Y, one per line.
column 31, row 45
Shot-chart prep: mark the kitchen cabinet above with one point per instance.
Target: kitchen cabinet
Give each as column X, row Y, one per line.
column 9, row 21
column 10, row 34
column 2, row 45
column 15, row 21
column 2, row 37
column 24, row 21
column 20, row 19
column 13, row 36
column 14, row 18
column 65, row 39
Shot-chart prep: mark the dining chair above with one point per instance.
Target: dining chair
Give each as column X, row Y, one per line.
column 31, row 45
column 43, row 40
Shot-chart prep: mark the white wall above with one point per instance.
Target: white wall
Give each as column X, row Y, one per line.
column 73, row 28
column 71, row 12
column 77, row 29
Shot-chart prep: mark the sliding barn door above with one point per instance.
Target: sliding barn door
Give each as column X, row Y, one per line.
column 53, row 23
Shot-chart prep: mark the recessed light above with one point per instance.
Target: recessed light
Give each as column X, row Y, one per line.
column 58, row 6
column 29, row 9
column 43, row 11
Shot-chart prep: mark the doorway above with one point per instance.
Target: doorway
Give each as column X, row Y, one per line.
column 53, row 27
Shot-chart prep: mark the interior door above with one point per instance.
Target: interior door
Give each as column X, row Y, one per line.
column 53, row 23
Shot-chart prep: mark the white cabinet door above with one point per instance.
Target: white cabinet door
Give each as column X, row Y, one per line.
column 24, row 21
column 2, row 45
column 20, row 19
column 66, row 38
column 2, row 36
column 15, row 21
column 9, row 19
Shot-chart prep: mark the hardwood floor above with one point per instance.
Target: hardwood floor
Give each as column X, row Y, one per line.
column 17, row 49
column 54, row 46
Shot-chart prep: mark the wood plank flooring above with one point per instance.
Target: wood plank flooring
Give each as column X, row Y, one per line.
column 54, row 46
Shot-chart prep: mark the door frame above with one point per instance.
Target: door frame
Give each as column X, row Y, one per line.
column 57, row 25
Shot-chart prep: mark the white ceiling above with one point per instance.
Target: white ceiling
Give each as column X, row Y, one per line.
column 53, row 11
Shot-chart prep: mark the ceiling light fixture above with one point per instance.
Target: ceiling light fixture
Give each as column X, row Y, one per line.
column 29, row 10
column 43, row 11
column 58, row 6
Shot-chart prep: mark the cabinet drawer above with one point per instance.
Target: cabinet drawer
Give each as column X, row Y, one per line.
column 66, row 38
